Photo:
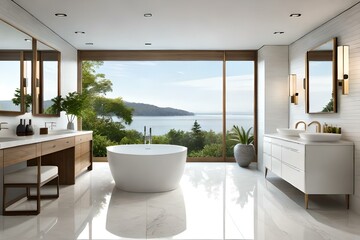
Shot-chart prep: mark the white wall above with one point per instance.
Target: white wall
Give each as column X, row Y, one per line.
column 273, row 106
column 16, row 16
column 346, row 27
column 19, row 18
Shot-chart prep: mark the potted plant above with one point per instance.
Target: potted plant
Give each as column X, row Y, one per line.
column 73, row 104
column 244, row 151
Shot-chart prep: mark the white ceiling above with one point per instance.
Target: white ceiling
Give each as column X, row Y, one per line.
column 183, row 24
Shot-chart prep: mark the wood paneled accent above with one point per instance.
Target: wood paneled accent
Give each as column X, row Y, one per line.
column 83, row 153
column 19, row 154
column 150, row 55
column 165, row 55
column 1, row 158
column 57, row 145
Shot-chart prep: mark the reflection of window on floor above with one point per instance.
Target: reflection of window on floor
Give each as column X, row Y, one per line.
column 181, row 101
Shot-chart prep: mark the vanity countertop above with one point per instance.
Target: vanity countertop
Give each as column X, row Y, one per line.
column 16, row 141
column 304, row 142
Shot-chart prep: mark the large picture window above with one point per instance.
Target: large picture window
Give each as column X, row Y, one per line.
column 182, row 100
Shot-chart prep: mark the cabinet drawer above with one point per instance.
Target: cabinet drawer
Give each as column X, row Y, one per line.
column 267, row 147
column 267, row 161
column 293, row 176
column 293, row 157
column 1, row 158
column 19, row 154
column 57, row 145
column 276, row 166
column 276, row 151
column 83, row 138
column 82, row 148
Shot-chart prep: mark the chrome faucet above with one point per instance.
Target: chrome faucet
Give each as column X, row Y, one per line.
column 52, row 125
column 318, row 126
column 147, row 138
column 2, row 123
column 297, row 124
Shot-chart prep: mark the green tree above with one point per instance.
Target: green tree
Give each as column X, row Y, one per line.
column 98, row 116
column 197, row 138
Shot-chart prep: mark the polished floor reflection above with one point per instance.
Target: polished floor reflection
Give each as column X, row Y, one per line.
column 214, row 201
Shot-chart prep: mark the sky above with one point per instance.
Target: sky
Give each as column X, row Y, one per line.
column 194, row 86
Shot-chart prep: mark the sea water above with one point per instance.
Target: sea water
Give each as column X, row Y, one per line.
column 162, row 125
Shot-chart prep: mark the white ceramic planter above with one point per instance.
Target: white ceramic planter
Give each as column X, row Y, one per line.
column 244, row 154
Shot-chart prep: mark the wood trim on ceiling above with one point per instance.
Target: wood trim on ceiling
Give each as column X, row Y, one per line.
column 165, row 55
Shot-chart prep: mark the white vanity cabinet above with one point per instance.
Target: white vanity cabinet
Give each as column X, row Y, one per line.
column 312, row 167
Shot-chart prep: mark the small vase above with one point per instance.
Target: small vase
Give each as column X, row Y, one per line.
column 70, row 126
column 244, row 154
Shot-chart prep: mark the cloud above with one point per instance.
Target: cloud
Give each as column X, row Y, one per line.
column 234, row 83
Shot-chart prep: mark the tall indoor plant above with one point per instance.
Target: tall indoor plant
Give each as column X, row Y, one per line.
column 244, row 151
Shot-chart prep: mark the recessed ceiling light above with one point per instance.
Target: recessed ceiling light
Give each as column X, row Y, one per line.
column 295, row 15
column 148, row 15
column 148, row 44
column 279, row 32
column 27, row 40
column 60, row 15
column 80, row 32
column 89, row 43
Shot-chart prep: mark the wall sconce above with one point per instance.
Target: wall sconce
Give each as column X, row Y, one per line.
column 343, row 68
column 292, row 89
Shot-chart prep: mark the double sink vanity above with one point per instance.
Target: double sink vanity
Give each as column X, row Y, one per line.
column 316, row 163
column 70, row 151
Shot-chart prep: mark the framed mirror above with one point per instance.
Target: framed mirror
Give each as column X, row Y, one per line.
column 46, row 84
column 15, row 70
column 321, row 87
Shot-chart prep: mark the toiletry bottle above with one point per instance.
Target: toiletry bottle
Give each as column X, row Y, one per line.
column 20, row 129
column 29, row 129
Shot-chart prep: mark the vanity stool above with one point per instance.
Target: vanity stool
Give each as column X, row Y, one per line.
column 30, row 177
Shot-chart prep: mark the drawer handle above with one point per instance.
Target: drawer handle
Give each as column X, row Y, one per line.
column 54, row 146
column 67, row 141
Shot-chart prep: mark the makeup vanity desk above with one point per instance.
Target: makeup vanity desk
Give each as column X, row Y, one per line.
column 71, row 151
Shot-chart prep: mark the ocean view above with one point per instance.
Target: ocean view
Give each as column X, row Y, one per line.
column 161, row 125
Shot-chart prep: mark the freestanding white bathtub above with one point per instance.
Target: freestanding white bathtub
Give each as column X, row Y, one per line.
column 147, row 167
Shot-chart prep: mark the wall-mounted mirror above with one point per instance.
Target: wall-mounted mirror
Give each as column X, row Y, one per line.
column 321, row 88
column 15, row 70
column 46, row 84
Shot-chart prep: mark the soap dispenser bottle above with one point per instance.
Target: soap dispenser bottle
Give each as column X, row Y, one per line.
column 29, row 129
column 20, row 129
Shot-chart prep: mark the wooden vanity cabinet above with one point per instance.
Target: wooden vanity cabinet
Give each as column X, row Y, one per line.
column 83, row 153
column 72, row 155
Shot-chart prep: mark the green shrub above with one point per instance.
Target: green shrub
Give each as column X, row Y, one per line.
column 99, row 145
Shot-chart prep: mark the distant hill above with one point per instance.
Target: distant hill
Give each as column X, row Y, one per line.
column 142, row 109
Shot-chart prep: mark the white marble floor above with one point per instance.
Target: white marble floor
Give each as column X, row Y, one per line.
column 214, row 201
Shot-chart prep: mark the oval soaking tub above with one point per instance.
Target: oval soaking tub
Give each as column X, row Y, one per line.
column 147, row 167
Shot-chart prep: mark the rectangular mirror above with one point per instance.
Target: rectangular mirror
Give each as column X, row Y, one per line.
column 46, row 85
column 15, row 70
column 321, row 87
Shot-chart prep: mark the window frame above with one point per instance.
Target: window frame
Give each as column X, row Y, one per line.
column 180, row 55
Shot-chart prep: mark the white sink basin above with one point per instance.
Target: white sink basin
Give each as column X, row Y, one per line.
column 8, row 139
column 320, row 137
column 289, row 131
